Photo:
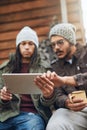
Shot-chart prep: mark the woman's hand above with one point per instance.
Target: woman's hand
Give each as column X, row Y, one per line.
column 5, row 95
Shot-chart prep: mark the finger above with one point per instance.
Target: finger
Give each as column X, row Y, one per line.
column 39, row 84
column 45, row 80
column 77, row 106
column 46, row 89
column 6, row 97
column 5, row 92
column 5, row 88
column 51, row 75
column 77, row 100
column 47, row 75
column 44, row 86
column 39, row 79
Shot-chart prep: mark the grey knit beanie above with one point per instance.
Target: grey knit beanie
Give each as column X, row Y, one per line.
column 27, row 34
column 65, row 30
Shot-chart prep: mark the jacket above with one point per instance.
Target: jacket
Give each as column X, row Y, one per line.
column 12, row 108
column 77, row 68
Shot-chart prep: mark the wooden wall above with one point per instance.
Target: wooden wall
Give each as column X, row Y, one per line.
column 15, row 14
column 38, row 14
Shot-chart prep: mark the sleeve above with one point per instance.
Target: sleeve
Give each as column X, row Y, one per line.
column 4, row 105
column 48, row 102
column 81, row 79
column 60, row 98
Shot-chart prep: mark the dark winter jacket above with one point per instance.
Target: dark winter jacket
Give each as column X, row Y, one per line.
column 64, row 68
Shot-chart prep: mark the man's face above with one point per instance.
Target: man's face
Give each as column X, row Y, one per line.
column 61, row 47
column 26, row 49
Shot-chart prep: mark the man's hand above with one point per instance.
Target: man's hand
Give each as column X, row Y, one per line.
column 60, row 80
column 5, row 95
column 56, row 79
column 76, row 104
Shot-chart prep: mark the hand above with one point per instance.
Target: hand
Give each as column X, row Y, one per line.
column 56, row 79
column 76, row 104
column 46, row 86
column 5, row 95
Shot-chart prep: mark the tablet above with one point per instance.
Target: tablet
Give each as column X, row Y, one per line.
column 22, row 83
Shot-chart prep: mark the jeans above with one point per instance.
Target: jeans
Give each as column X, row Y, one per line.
column 24, row 121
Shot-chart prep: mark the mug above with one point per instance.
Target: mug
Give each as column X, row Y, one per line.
column 78, row 94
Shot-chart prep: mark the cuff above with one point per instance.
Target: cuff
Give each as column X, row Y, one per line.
column 48, row 101
column 4, row 102
column 79, row 79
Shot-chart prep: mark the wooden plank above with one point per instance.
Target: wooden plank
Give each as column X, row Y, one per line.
column 12, row 34
column 42, row 31
column 5, row 53
column 5, row 2
column 8, row 36
column 7, row 45
column 27, row 15
column 26, row 6
column 32, row 23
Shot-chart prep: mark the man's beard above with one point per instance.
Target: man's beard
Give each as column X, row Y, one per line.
column 68, row 54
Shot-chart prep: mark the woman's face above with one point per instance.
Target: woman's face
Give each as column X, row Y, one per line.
column 27, row 49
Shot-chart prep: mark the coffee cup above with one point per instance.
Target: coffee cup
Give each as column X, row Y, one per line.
column 78, row 94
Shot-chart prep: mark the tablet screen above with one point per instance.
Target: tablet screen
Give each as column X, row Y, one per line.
column 21, row 83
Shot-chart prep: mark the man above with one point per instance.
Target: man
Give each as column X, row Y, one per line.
column 24, row 112
column 72, row 64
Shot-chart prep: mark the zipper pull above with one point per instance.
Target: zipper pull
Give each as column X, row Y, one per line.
column 78, row 68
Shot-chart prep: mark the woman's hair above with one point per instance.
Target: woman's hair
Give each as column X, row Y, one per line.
column 18, row 60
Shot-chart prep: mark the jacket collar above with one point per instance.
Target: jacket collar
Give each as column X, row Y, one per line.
column 79, row 49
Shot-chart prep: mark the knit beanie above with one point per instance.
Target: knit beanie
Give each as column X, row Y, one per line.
column 66, row 30
column 27, row 34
